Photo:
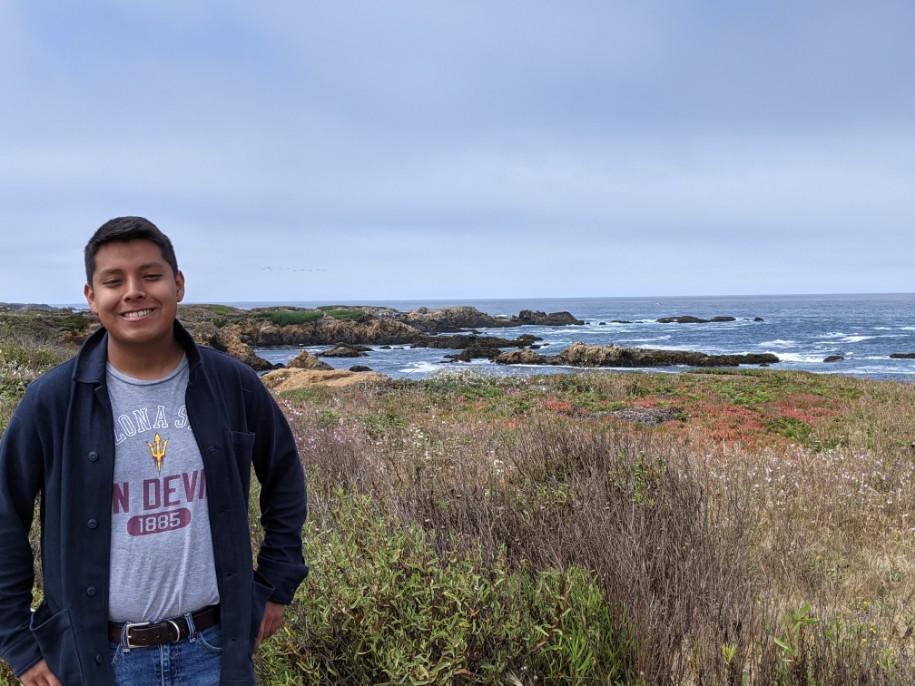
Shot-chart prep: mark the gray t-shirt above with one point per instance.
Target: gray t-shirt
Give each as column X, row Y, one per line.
column 161, row 547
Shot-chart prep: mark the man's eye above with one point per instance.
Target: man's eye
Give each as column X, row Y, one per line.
column 112, row 282
column 153, row 277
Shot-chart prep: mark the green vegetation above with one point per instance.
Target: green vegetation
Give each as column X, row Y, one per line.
column 383, row 606
column 286, row 317
column 289, row 317
column 345, row 313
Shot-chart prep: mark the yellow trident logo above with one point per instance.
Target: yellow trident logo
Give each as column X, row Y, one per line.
column 158, row 451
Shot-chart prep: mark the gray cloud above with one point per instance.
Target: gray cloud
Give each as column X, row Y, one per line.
column 404, row 146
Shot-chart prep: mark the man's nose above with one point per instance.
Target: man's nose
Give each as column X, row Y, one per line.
column 135, row 288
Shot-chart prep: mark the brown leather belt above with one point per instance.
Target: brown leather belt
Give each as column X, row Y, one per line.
column 145, row 635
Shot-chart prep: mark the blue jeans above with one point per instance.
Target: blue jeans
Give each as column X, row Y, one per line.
column 191, row 662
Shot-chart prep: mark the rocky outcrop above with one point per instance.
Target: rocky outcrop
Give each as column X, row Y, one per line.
column 228, row 339
column 329, row 331
column 689, row 319
column 833, row 358
column 524, row 357
column 582, row 355
column 344, row 350
column 305, row 360
column 451, row 319
column 543, row 319
column 903, row 356
column 280, row 380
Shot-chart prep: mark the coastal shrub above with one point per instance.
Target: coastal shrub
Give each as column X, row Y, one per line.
column 224, row 309
column 291, row 317
column 383, row 606
column 344, row 313
column 22, row 361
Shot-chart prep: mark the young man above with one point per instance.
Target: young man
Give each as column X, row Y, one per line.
column 142, row 447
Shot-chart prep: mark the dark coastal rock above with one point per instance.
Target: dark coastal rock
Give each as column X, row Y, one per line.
column 758, row 319
column 543, row 319
column 620, row 321
column 360, row 368
column 345, row 350
column 903, row 356
column 305, row 360
column 833, row 358
column 473, row 352
column 524, row 357
column 602, row 323
column 582, row 355
column 461, row 341
column 689, row 319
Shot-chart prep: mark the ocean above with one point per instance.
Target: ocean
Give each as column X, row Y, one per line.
column 802, row 330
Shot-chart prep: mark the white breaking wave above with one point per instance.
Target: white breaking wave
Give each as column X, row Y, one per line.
column 778, row 343
column 422, row 368
column 856, row 338
column 644, row 340
column 797, row 357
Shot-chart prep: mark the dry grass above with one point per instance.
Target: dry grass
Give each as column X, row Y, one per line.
column 761, row 556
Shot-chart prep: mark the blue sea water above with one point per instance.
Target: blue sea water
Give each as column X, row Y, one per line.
column 801, row 330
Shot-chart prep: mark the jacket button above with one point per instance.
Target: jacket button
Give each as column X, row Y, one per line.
column 91, row 591
column 92, row 523
column 93, row 456
column 98, row 658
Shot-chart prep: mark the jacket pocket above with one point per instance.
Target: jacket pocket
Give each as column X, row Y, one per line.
column 260, row 593
column 54, row 634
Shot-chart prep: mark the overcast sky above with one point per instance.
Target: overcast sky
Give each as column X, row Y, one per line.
column 393, row 150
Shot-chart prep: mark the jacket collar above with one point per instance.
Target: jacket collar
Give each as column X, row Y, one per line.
column 92, row 358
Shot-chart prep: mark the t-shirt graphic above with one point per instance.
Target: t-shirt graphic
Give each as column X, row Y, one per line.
column 161, row 545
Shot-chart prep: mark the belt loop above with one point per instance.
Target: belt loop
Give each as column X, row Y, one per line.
column 191, row 629
column 125, row 648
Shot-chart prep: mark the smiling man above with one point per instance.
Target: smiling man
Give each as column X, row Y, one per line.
column 141, row 447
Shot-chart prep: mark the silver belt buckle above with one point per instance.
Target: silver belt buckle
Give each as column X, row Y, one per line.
column 128, row 627
column 177, row 630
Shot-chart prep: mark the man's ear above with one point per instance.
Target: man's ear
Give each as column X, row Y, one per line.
column 179, row 279
column 89, row 294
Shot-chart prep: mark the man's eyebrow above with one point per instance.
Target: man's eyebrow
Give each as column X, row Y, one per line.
column 118, row 270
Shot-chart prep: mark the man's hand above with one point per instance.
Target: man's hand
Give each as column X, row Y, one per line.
column 273, row 617
column 41, row 675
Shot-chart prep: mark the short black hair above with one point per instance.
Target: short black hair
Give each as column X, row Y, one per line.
column 128, row 229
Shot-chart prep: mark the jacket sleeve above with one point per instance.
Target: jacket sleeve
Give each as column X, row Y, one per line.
column 283, row 500
column 21, row 466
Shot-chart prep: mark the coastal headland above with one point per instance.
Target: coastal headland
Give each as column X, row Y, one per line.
column 343, row 328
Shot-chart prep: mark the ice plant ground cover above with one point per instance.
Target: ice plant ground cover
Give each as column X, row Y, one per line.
column 749, row 527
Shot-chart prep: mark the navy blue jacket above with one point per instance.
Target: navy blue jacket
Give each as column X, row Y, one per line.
column 60, row 441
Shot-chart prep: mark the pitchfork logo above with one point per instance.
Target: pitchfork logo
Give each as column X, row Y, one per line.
column 157, row 451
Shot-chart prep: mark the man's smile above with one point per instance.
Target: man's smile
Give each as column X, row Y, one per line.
column 137, row 314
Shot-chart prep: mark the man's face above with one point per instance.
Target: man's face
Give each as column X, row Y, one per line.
column 135, row 294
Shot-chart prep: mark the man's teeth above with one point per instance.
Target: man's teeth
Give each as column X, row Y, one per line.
column 137, row 315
